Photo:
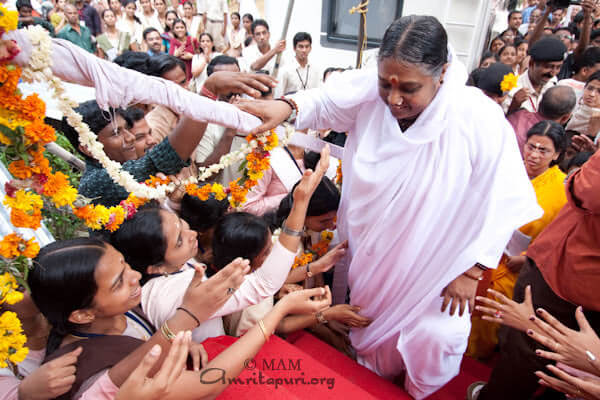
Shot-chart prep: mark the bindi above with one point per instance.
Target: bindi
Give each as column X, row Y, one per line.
column 394, row 80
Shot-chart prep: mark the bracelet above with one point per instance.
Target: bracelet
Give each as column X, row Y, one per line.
column 261, row 325
column 164, row 329
column 321, row 318
column 190, row 314
column 475, row 278
column 291, row 232
column 290, row 102
column 481, row 267
column 308, row 273
column 207, row 93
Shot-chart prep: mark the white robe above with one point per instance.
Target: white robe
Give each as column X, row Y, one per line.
column 419, row 208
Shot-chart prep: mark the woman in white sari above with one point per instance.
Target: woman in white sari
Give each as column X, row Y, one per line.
column 433, row 188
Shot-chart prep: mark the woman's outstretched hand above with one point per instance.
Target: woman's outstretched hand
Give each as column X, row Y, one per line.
column 310, row 180
column 226, row 82
column 271, row 112
column 506, row 311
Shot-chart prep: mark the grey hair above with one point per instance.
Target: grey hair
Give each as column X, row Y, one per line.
column 417, row 39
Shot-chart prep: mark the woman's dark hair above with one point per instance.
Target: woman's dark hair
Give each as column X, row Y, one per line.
column 579, row 159
column 62, row 281
column 105, row 11
column 555, row 132
column 135, row 60
column 332, row 69
column 237, row 14
column 494, row 39
column 188, row 2
column 140, row 239
column 247, row 41
column 167, row 29
column 594, row 77
column 162, row 63
column 506, row 46
column 179, row 21
column 94, row 117
column 202, row 215
column 487, row 54
column 326, row 198
column 211, row 39
column 126, row 3
column 238, row 234
column 248, row 16
column 418, row 40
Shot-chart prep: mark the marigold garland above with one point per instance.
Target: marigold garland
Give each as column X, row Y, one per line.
column 12, row 340
column 316, row 251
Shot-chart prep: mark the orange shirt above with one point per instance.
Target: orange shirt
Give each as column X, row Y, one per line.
column 567, row 252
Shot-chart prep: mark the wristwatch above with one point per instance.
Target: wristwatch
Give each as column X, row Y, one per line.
column 308, row 273
column 321, row 318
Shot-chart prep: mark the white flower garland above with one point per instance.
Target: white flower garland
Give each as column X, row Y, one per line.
column 39, row 70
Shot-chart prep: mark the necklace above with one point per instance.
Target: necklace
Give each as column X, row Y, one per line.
column 304, row 83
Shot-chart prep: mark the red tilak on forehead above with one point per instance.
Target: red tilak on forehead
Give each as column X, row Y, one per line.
column 394, row 80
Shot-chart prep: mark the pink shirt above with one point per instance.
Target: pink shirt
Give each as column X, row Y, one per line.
column 522, row 121
column 102, row 389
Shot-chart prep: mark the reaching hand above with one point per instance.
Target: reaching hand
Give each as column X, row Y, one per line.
column 310, row 180
column 577, row 349
column 459, row 293
column 205, row 298
column 302, row 302
column 271, row 112
column 506, row 311
column 331, row 258
column 588, row 6
column 199, row 355
column 584, row 143
column 585, row 387
column 226, row 82
column 347, row 315
column 280, row 46
column 51, row 379
column 141, row 386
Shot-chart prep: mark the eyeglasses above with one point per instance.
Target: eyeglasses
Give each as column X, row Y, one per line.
column 531, row 148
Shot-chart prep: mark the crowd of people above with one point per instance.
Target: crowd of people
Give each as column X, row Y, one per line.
column 495, row 195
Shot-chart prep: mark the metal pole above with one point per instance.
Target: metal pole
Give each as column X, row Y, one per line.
column 286, row 25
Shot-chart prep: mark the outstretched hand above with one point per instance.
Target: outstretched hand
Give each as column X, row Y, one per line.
column 271, row 112
column 459, row 294
column 506, row 311
column 566, row 381
column 310, row 180
column 577, row 349
column 226, row 82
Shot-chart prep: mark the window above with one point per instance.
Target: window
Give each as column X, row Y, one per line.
column 341, row 27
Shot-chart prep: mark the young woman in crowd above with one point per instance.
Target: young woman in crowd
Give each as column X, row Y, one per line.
column 112, row 42
column 148, row 16
column 167, row 35
column 508, row 36
column 194, row 22
column 201, row 60
column 88, row 292
column 508, row 56
column 544, row 149
column 522, row 57
column 586, row 118
column 496, row 44
column 57, row 15
column 161, row 13
column 131, row 24
column 247, row 21
column 116, row 7
column 183, row 46
column 235, row 36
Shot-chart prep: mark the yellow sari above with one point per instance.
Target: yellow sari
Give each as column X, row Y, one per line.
column 551, row 196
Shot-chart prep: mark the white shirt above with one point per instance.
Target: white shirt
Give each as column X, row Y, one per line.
column 162, row 295
column 294, row 77
column 214, row 9
column 532, row 102
column 252, row 53
column 150, row 22
column 208, row 143
column 574, row 84
column 134, row 29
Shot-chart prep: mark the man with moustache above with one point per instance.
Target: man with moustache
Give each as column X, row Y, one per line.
column 547, row 56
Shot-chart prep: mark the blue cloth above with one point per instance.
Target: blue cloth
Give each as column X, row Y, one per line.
column 526, row 13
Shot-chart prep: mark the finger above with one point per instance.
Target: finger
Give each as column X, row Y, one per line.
column 203, row 356
column 65, row 381
column 266, row 126
column 66, row 359
column 180, row 362
column 323, row 164
column 545, row 328
column 487, row 310
column 554, row 383
column 65, row 371
column 471, row 304
column 461, row 307
column 548, row 355
column 584, row 325
column 553, row 322
column 542, row 339
column 568, row 378
column 489, row 302
column 528, row 298
column 147, row 363
column 453, row 305
column 195, row 353
column 446, row 301
column 243, row 88
column 502, row 298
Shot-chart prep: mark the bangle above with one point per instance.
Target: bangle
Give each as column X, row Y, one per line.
column 190, row 314
column 475, row 278
column 261, row 325
column 289, row 231
column 308, row 273
column 164, row 329
column 207, row 93
column 481, row 267
column 321, row 318
column 290, row 102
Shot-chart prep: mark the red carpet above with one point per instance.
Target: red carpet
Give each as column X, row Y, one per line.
column 307, row 368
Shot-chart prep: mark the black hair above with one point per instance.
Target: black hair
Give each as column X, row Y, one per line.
column 220, row 60
column 259, row 22
column 248, row 16
column 23, row 3
column 133, row 115
column 589, row 58
column 188, row 2
column 247, row 41
column 579, row 159
column 126, row 3
column 238, row 234
column 519, row 41
column 510, row 14
column 326, row 198
column 332, row 69
column 202, row 215
column 594, row 77
column 301, row 37
column 488, row 54
column 92, row 115
column 505, row 31
column 555, row 132
column 557, row 102
column 562, row 28
column 177, row 21
column 211, row 39
column 160, row 64
column 167, row 29
column 499, row 37
column 311, row 159
column 62, row 280
column 506, row 46
column 148, row 31
column 236, row 13
column 418, row 40
column 579, row 17
column 135, row 60
column 268, row 91
column 105, row 11
column 140, row 239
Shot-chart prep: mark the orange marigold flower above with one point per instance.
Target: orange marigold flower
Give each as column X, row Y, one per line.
column 154, row 181
column 9, row 246
column 55, row 183
column 116, row 218
column 40, row 132
column 33, row 107
column 21, row 219
column 32, row 248
column 20, row 170
column 136, row 201
column 4, row 140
